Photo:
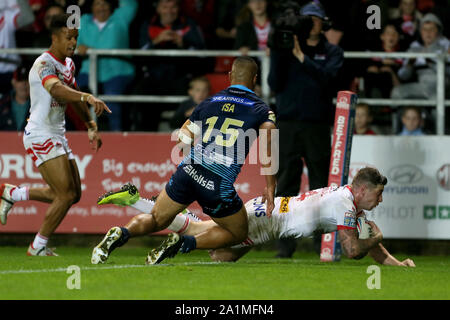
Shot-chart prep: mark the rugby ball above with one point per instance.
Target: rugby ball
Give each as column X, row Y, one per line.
column 364, row 228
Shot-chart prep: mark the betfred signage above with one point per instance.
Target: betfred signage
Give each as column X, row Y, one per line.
column 342, row 138
column 339, row 162
column 331, row 249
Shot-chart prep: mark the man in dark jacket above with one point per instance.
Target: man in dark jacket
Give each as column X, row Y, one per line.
column 302, row 80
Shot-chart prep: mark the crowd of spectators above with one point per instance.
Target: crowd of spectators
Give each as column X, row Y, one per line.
column 407, row 26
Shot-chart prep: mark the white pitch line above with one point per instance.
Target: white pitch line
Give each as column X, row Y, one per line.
column 124, row 266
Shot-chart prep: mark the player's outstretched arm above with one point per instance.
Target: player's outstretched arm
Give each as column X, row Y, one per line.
column 353, row 247
column 64, row 93
column 380, row 254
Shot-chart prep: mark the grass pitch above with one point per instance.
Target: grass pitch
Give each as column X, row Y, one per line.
column 257, row 276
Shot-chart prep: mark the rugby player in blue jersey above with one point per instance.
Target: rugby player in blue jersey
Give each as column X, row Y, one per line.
column 220, row 133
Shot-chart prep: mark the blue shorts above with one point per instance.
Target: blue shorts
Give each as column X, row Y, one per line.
column 216, row 196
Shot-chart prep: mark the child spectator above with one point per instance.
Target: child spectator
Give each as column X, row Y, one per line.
column 363, row 118
column 199, row 89
column 412, row 122
column 381, row 74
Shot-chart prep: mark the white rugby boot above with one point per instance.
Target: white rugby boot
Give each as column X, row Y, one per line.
column 101, row 252
column 6, row 201
column 43, row 251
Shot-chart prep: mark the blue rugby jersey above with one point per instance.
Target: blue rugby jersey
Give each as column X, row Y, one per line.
column 226, row 126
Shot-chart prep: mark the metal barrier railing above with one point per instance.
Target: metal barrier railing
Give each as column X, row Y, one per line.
column 439, row 103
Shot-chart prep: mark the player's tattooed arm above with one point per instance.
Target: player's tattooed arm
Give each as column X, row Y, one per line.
column 381, row 255
column 355, row 248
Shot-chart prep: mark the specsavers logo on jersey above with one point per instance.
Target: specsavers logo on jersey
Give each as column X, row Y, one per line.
column 208, row 184
column 349, row 220
column 44, row 70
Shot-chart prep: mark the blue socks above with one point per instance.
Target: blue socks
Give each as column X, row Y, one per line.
column 189, row 244
column 125, row 235
column 122, row 240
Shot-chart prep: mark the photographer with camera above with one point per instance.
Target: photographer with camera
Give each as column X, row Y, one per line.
column 303, row 65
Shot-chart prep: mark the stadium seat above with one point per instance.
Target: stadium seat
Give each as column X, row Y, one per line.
column 223, row 64
column 219, row 81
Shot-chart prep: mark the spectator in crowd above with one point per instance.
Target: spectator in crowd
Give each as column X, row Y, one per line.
column 363, row 119
column 302, row 79
column 226, row 14
column 412, row 122
column 14, row 108
column 13, row 15
column 253, row 26
column 202, row 12
column 381, row 75
column 349, row 30
column 407, row 19
column 199, row 90
column 253, row 31
column 107, row 28
column 431, row 40
column 43, row 38
column 167, row 29
column 25, row 36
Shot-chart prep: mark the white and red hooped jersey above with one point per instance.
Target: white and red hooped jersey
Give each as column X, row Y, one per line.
column 323, row 210
column 262, row 34
column 47, row 115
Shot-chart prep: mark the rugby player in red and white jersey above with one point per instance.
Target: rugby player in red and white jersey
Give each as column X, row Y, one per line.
column 52, row 87
column 323, row 210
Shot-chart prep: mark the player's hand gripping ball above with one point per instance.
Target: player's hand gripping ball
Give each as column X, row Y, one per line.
column 364, row 228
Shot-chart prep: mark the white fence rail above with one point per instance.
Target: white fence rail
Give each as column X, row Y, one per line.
column 439, row 103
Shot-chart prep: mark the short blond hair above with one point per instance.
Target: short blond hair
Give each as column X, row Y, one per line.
column 370, row 177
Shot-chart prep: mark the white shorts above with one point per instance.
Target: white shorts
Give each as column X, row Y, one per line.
column 260, row 228
column 45, row 147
